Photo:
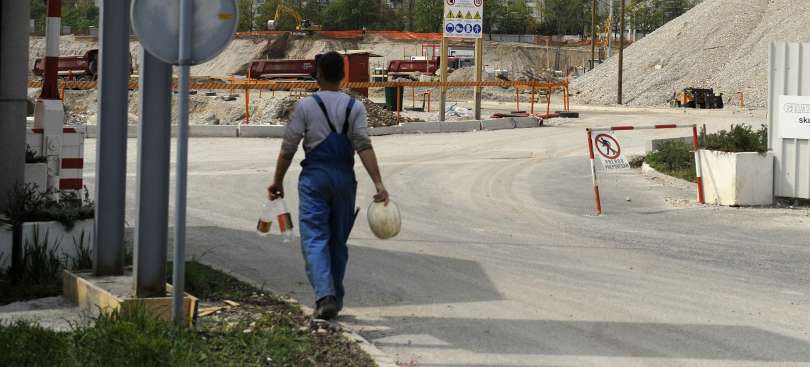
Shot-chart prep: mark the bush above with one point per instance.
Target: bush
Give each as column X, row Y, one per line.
column 674, row 158
column 740, row 138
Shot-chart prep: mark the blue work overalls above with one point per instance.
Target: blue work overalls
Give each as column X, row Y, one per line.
column 327, row 189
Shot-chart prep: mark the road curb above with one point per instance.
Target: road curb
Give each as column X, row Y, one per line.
column 379, row 357
column 277, row 131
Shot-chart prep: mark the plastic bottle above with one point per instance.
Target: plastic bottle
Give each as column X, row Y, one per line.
column 275, row 210
column 265, row 219
column 284, row 219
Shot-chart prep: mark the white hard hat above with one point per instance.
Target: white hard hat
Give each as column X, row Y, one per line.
column 384, row 220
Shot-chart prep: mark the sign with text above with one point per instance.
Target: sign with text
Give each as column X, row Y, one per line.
column 464, row 18
column 794, row 117
column 609, row 152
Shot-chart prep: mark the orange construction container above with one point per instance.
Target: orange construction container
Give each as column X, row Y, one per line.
column 356, row 67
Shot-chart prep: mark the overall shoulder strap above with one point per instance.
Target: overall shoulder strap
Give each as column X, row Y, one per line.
column 348, row 114
column 319, row 101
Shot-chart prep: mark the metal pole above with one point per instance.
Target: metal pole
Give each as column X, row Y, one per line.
column 479, row 65
column 610, row 29
column 597, row 198
column 621, row 55
column 53, row 30
column 152, row 196
column 111, row 141
column 698, row 165
column 14, row 36
column 443, row 99
column 178, row 281
column 593, row 34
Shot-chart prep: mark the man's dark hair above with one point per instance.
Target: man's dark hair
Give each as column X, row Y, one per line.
column 330, row 66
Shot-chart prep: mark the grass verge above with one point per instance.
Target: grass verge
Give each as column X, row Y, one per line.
column 262, row 330
column 675, row 159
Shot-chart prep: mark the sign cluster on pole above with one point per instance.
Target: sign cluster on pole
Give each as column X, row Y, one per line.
column 464, row 18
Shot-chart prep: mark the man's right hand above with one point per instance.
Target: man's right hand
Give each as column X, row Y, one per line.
column 382, row 194
column 275, row 191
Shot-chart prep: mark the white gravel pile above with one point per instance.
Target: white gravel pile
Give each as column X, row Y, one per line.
column 720, row 44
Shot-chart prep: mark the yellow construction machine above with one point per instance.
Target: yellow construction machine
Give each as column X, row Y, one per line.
column 301, row 24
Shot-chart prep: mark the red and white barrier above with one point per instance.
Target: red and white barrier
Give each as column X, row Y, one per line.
column 53, row 30
column 695, row 146
column 71, row 163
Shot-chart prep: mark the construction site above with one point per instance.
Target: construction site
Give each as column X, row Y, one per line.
column 607, row 183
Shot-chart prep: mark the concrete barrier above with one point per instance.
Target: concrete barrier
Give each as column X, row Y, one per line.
column 91, row 131
column 460, row 126
column 498, row 124
column 213, row 131
column 421, row 127
column 526, row 122
column 386, row 130
column 261, row 131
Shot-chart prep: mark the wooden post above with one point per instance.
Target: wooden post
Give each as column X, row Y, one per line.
column 593, row 35
column 443, row 99
column 517, row 98
column 548, row 104
column 247, row 105
column 399, row 105
column 621, row 55
column 479, row 65
column 413, row 97
column 532, row 101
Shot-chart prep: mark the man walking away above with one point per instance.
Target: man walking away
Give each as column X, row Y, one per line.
column 332, row 126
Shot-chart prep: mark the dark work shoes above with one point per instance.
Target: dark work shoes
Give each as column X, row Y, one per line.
column 326, row 308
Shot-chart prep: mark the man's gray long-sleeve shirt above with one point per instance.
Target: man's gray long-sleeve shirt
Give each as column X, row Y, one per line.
column 308, row 123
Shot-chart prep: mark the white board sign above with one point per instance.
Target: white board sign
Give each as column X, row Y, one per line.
column 464, row 18
column 794, row 117
column 608, row 152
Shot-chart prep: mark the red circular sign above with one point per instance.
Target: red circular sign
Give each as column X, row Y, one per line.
column 478, row 2
column 608, row 146
column 451, row 2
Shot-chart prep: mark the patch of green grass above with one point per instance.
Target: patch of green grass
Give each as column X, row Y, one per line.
column 25, row 344
column 674, row 158
column 263, row 331
column 209, row 284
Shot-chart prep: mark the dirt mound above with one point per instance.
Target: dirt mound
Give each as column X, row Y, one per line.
column 720, row 44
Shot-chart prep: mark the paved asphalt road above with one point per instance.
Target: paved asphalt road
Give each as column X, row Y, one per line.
column 501, row 264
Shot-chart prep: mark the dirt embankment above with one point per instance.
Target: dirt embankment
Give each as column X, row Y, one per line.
column 720, row 44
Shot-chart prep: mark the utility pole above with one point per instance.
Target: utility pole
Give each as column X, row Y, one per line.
column 610, row 30
column 621, row 54
column 14, row 35
column 593, row 35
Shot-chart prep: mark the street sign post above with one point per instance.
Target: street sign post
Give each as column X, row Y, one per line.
column 183, row 33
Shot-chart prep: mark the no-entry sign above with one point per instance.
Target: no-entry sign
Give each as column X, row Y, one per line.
column 609, row 152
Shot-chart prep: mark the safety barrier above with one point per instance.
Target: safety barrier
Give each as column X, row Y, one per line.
column 246, row 85
column 695, row 147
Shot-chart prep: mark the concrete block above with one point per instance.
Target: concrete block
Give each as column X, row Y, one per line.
column 460, row 126
column 526, row 122
column 261, row 131
column 90, row 131
column 387, row 130
column 213, row 131
column 421, row 127
column 499, row 124
column 655, row 144
column 737, row 178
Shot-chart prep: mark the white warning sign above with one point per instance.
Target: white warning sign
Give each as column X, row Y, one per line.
column 608, row 152
column 464, row 18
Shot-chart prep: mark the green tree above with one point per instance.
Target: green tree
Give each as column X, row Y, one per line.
column 493, row 11
column 428, row 15
column 246, row 15
column 81, row 16
column 354, row 14
column 567, row 16
column 516, row 18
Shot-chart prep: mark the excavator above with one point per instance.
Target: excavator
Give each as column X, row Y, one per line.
column 301, row 24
